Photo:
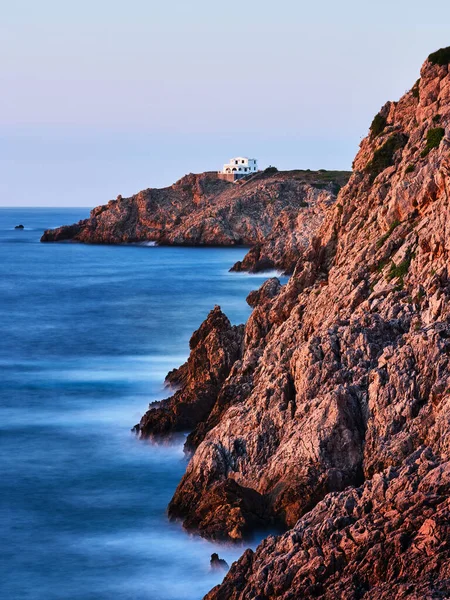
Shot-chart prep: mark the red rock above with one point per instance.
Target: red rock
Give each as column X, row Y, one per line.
column 376, row 542
column 338, row 421
column 202, row 209
column 215, row 347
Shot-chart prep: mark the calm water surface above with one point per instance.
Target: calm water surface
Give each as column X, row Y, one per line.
column 87, row 336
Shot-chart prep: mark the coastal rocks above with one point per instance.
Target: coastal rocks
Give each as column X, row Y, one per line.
column 218, row 563
column 211, row 514
column 62, row 234
column 204, row 210
column 291, row 233
column 343, row 375
column 19, row 227
column 386, row 540
column 215, row 347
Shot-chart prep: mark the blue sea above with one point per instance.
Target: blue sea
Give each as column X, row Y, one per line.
column 88, row 334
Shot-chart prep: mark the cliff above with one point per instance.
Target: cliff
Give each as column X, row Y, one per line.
column 204, row 210
column 334, row 420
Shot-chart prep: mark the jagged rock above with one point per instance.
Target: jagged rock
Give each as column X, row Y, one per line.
column 19, row 227
column 215, row 347
column 344, row 371
column 386, row 540
column 202, row 209
column 176, row 377
column 266, row 292
column 218, row 563
column 291, row 233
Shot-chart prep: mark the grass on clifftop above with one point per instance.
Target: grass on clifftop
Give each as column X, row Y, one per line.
column 434, row 138
column 315, row 178
column 440, row 57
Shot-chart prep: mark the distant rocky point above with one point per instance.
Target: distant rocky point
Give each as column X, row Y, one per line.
column 274, row 212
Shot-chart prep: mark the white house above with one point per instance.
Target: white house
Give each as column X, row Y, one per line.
column 240, row 166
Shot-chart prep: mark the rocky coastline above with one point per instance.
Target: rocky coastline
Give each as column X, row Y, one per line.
column 274, row 212
column 328, row 413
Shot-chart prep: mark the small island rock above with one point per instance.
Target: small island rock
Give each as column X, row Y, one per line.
column 217, row 562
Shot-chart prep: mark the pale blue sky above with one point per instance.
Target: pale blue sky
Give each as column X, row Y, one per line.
column 106, row 97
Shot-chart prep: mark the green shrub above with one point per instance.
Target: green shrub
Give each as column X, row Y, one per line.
column 270, row 170
column 410, row 169
column 436, row 118
column 419, row 296
column 434, row 138
column 399, row 271
column 378, row 125
column 415, row 89
column 440, row 57
column 384, row 237
column 381, row 265
column 336, row 187
column 384, row 156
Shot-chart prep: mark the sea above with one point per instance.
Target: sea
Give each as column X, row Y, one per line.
column 88, row 333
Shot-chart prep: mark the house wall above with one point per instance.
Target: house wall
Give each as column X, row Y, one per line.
column 241, row 164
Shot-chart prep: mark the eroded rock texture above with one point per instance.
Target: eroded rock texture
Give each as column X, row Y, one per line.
column 386, row 540
column 342, row 382
column 215, row 347
column 202, row 209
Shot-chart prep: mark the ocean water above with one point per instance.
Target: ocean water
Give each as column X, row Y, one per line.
column 87, row 336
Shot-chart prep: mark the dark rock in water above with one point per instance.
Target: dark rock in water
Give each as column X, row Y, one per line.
column 19, row 227
column 218, row 563
column 227, row 511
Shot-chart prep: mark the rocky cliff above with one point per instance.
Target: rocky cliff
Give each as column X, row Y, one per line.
column 202, row 209
column 214, row 348
column 334, row 420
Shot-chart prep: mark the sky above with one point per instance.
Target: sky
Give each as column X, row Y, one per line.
column 106, row 97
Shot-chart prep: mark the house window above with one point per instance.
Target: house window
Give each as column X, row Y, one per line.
column 235, row 162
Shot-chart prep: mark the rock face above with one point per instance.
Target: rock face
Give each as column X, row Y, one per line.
column 334, row 419
column 202, row 209
column 294, row 229
column 388, row 539
column 218, row 563
column 215, row 347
